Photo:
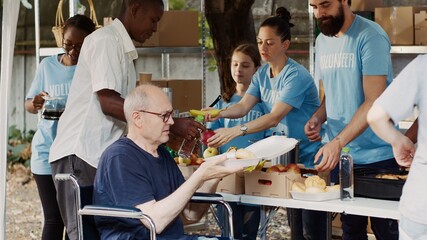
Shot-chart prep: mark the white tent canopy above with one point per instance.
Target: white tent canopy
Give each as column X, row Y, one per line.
column 10, row 20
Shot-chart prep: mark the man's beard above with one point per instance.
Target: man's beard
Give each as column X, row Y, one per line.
column 331, row 25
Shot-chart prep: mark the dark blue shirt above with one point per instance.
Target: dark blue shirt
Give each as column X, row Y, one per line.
column 128, row 176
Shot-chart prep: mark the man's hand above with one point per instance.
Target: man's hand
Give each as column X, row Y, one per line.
column 38, row 100
column 223, row 136
column 312, row 129
column 403, row 150
column 330, row 154
column 187, row 128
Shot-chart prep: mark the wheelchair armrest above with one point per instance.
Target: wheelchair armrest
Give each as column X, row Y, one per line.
column 200, row 197
column 97, row 210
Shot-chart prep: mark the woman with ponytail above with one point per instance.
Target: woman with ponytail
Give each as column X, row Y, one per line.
column 289, row 95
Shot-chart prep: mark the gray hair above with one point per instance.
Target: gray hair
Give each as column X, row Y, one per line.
column 137, row 99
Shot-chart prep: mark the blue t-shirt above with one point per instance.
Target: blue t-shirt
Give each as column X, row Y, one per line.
column 295, row 87
column 55, row 79
column 242, row 141
column 341, row 63
column 128, row 176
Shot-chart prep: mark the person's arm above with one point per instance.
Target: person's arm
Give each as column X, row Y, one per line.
column 237, row 110
column 269, row 120
column 166, row 210
column 111, row 104
column 34, row 104
column 193, row 212
column 373, row 86
column 412, row 132
column 313, row 127
column 403, row 147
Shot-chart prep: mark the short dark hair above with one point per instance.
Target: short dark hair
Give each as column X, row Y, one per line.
column 281, row 22
column 81, row 22
column 127, row 3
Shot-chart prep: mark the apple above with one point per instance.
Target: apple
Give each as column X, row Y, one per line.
column 206, row 135
column 210, row 152
column 183, row 161
column 281, row 167
column 292, row 167
column 273, row 169
column 199, row 161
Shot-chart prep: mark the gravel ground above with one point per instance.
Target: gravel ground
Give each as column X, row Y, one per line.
column 23, row 212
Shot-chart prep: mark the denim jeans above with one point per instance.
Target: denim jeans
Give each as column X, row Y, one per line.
column 354, row 227
column 309, row 224
column 410, row 230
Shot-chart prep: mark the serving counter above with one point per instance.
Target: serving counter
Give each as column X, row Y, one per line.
column 360, row 206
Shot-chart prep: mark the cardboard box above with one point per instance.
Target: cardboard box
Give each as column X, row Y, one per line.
column 233, row 184
column 420, row 25
column 398, row 23
column 186, row 94
column 175, row 29
column 273, row 184
column 366, row 5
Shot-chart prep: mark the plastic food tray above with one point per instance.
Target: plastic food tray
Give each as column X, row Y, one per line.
column 315, row 197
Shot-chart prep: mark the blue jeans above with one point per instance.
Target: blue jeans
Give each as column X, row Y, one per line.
column 245, row 220
column 309, row 224
column 354, row 227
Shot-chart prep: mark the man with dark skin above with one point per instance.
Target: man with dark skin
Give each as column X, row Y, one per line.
column 94, row 117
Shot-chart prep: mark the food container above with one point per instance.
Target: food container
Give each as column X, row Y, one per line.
column 366, row 184
column 286, row 158
column 53, row 108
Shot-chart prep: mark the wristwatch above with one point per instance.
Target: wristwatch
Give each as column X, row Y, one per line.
column 243, row 129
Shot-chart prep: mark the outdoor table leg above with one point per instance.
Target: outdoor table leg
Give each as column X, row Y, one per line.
column 328, row 225
column 263, row 219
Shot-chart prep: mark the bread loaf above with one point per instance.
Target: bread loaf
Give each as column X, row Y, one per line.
column 298, row 187
column 315, row 181
column 242, row 153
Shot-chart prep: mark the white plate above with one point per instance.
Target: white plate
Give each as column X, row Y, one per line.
column 316, row 197
column 232, row 162
column 271, row 147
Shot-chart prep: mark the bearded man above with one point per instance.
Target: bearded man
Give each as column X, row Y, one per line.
column 353, row 61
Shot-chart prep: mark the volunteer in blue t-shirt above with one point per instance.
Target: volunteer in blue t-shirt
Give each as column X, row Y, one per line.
column 53, row 79
column 289, row 97
column 245, row 60
column 353, row 61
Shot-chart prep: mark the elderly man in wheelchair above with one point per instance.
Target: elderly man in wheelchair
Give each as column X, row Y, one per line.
column 138, row 171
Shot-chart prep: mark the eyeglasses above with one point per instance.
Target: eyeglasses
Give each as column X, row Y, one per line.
column 164, row 116
column 69, row 47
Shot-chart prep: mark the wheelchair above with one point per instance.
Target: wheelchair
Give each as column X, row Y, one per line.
column 86, row 227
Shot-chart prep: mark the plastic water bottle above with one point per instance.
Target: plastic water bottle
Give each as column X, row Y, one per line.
column 346, row 175
column 187, row 147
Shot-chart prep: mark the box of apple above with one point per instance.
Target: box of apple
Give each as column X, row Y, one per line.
column 275, row 181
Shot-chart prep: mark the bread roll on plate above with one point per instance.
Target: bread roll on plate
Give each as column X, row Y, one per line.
column 298, row 187
column 315, row 181
column 242, row 153
column 335, row 187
